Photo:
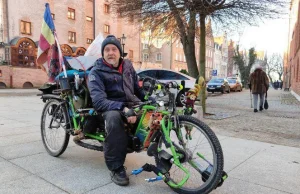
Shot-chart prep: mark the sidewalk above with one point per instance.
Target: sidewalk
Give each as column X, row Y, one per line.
column 19, row 92
column 25, row 167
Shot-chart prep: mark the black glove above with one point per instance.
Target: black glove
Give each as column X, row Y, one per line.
column 128, row 112
column 153, row 101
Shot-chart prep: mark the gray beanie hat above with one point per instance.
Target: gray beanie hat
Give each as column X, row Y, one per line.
column 111, row 39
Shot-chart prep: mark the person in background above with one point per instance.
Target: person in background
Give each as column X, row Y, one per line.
column 259, row 84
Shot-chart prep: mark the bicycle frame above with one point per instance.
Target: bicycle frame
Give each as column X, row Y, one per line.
column 141, row 132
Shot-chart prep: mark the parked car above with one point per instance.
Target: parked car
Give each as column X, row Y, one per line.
column 235, row 85
column 164, row 75
column 218, row 85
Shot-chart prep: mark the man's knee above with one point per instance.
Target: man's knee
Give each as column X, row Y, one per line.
column 112, row 115
column 113, row 121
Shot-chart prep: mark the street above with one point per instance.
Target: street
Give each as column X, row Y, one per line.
column 279, row 124
column 261, row 150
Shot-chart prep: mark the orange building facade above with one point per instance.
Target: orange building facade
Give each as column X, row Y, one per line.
column 77, row 24
column 292, row 59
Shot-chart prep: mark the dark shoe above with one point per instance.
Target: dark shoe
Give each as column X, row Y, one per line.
column 120, row 177
column 255, row 110
column 261, row 108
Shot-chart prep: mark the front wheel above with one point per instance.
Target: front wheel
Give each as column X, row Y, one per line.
column 201, row 154
column 54, row 125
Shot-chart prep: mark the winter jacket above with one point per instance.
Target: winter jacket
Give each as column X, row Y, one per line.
column 259, row 82
column 112, row 89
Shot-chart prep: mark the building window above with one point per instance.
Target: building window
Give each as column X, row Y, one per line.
column 176, row 57
column 90, row 19
column 106, row 8
column 158, row 57
column 106, row 28
column 53, row 16
column 72, row 37
column 145, row 57
column 89, row 41
column 25, row 27
column 145, row 46
column 130, row 54
column 71, row 13
column 0, row 73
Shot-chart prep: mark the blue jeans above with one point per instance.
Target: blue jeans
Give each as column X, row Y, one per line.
column 261, row 100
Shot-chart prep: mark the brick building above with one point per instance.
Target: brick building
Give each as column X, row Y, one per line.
column 292, row 64
column 77, row 23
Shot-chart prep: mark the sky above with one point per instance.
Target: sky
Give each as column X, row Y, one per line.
column 270, row 36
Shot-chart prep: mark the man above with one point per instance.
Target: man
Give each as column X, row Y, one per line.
column 259, row 84
column 113, row 87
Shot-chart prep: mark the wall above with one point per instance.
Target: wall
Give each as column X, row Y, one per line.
column 21, row 75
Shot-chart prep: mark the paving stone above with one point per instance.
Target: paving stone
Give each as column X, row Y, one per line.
column 30, row 185
column 10, row 172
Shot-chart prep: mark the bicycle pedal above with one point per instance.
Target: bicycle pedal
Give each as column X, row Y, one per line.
column 136, row 172
column 158, row 178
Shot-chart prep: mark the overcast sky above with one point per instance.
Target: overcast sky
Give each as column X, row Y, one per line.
column 271, row 36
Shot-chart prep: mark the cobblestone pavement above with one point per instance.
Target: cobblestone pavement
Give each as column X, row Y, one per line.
column 280, row 124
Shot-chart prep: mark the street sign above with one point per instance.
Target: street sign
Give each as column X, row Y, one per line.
column 214, row 72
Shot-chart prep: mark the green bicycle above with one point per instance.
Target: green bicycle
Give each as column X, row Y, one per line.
column 188, row 155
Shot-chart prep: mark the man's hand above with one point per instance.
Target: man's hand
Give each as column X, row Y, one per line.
column 130, row 115
column 131, row 119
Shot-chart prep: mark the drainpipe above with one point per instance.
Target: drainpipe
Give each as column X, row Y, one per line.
column 94, row 16
column 171, row 53
column 7, row 20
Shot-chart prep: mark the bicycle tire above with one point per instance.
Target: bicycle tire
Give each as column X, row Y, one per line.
column 216, row 177
column 65, row 143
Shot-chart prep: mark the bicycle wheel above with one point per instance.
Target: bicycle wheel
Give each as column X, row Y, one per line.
column 202, row 156
column 54, row 123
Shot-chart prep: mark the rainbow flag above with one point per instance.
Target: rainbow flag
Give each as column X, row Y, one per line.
column 49, row 53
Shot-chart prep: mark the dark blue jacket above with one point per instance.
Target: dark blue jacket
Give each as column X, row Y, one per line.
column 112, row 90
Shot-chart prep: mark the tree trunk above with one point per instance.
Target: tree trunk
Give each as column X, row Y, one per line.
column 189, row 51
column 202, row 57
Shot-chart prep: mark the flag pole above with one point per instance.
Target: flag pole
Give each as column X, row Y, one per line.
column 61, row 61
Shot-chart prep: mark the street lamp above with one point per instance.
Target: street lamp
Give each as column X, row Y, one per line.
column 122, row 40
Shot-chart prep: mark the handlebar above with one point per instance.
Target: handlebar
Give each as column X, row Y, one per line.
column 156, row 85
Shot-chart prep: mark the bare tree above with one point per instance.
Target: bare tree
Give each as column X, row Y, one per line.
column 183, row 18
column 275, row 65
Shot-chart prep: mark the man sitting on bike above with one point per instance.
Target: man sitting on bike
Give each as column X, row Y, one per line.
column 113, row 87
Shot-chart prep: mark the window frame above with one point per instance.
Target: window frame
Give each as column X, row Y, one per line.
column 69, row 37
column 130, row 54
column 71, row 10
column 89, row 19
column 89, row 40
column 106, row 8
column 25, row 32
column 145, row 54
column 106, row 28
column 157, row 58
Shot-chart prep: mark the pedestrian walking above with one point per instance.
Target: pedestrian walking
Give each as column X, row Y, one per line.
column 259, row 84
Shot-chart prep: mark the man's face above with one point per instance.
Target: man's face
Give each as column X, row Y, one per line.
column 112, row 54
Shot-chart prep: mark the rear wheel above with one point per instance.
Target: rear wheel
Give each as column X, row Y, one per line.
column 54, row 125
column 201, row 155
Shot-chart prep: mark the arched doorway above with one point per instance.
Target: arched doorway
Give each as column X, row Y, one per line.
column 27, row 85
column 23, row 52
column 2, row 85
column 66, row 50
column 78, row 51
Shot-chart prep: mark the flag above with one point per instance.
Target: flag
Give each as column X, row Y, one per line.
column 49, row 53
